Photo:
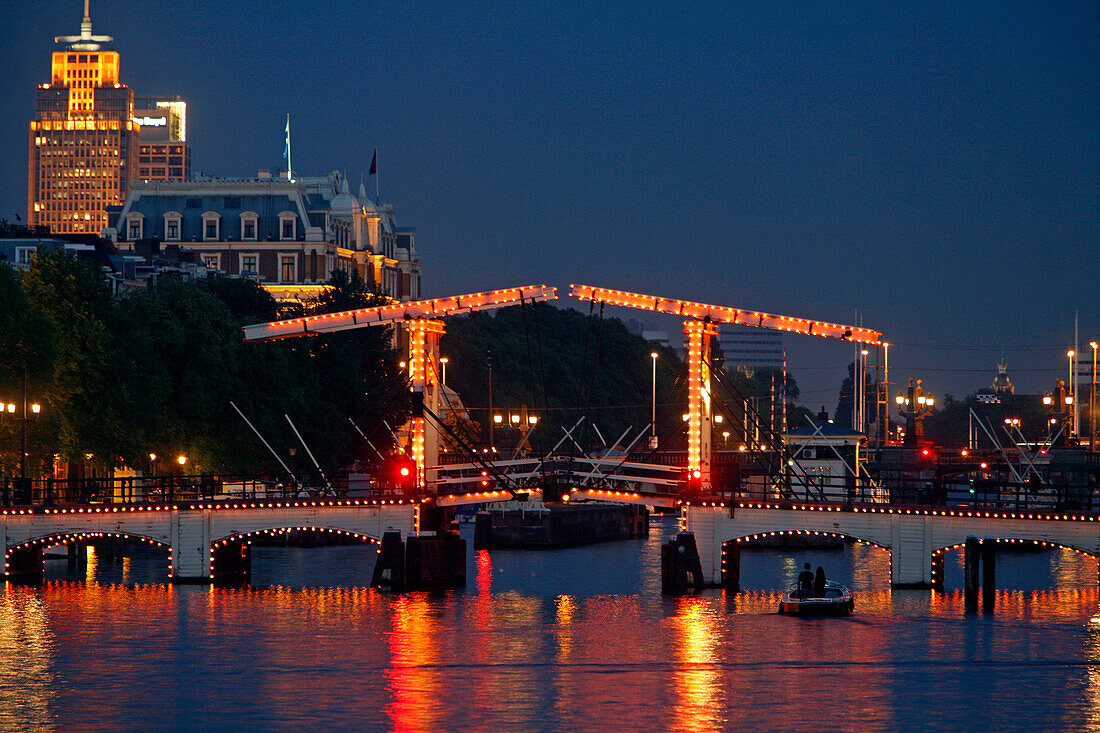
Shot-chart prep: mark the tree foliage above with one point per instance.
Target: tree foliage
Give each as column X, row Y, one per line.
column 561, row 365
column 156, row 372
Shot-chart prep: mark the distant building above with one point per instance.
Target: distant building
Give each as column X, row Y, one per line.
column 19, row 250
column 289, row 234
column 163, row 152
column 1000, row 389
column 84, row 140
column 746, row 349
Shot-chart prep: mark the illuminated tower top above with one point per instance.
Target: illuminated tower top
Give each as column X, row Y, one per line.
column 85, row 41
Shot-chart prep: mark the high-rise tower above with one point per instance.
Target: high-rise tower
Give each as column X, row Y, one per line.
column 83, row 141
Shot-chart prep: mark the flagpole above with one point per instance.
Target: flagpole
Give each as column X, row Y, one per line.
column 377, row 196
column 289, row 165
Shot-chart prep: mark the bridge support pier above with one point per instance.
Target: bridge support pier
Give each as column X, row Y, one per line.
column 680, row 565
column 971, row 563
column 426, row 560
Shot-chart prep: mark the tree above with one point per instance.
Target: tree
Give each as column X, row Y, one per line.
column 562, row 365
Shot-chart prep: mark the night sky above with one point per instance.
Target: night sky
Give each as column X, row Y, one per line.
column 932, row 167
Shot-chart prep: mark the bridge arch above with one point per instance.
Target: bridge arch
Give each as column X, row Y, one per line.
column 276, row 531
column 1022, row 542
column 746, row 540
column 24, row 559
column 731, row 549
column 231, row 555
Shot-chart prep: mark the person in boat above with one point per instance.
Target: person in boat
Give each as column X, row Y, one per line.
column 819, row 583
column 806, row 582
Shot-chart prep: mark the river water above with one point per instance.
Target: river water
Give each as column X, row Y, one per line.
column 577, row 639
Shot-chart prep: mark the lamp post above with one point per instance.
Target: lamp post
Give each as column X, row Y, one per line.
column 1092, row 401
column 914, row 406
column 653, row 411
column 492, row 417
column 884, row 428
column 29, row 411
column 1072, row 398
column 443, row 361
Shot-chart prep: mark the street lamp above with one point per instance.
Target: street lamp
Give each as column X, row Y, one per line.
column 443, row 361
column 885, row 426
column 653, row 411
column 1072, row 386
column 914, row 406
column 1092, row 401
column 29, row 412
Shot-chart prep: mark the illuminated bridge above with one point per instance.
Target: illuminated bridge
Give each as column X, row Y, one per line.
column 204, row 541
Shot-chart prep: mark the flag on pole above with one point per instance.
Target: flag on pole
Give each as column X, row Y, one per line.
column 373, row 163
column 286, row 148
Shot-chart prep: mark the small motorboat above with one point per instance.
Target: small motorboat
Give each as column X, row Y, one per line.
column 836, row 600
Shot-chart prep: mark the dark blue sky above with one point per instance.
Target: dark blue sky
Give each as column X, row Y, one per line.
column 935, row 168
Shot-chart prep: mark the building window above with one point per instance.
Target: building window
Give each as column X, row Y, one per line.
column 249, row 225
column 287, row 267
column 135, row 227
column 212, row 262
column 248, row 265
column 23, row 255
column 288, row 222
column 172, row 226
column 211, row 226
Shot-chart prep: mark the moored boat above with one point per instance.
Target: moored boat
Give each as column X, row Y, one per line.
column 835, row 600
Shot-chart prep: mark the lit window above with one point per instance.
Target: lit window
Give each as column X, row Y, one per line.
column 212, row 261
column 286, row 269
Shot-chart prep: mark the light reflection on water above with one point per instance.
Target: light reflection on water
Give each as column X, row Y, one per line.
column 577, row 639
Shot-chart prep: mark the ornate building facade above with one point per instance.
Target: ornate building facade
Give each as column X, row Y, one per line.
column 289, row 234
